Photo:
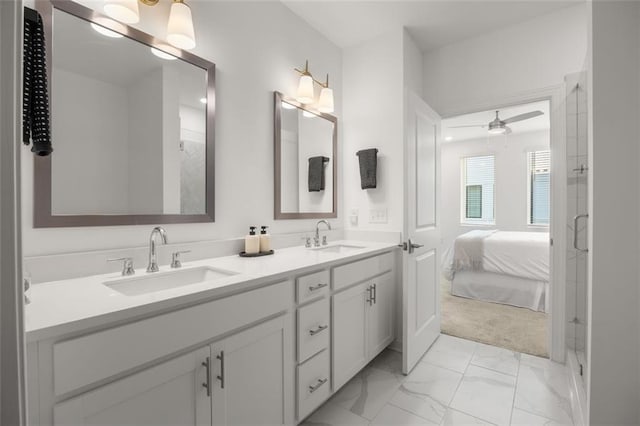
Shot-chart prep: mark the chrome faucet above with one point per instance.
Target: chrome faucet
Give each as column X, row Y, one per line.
column 316, row 239
column 153, row 255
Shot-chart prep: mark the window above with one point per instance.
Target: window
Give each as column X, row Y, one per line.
column 539, row 167
column 478, row 176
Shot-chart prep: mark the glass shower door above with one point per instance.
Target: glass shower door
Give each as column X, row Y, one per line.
column 577, row 217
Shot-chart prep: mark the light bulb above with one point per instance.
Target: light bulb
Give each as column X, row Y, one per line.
column 497, row 130
column 325, row 103
column 203, row 100
column 163, row 55
column 180, row 31
column 105, row 31
column 305, row 90
column 123, row 10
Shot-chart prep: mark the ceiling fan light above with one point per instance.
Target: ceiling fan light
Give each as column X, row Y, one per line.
column 497, row 130
column 180, row 31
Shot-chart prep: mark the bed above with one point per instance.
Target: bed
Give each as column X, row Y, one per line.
column 511, row 268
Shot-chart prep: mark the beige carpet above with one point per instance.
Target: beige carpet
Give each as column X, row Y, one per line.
column 518, row 329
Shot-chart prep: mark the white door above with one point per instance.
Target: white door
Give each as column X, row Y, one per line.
column 252, row 375
column 349, row 325
column 171, row 393
column 421, row 233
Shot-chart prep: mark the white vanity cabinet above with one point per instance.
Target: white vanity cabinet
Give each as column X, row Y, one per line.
column 266, row 353
column 252, row 376
column 170, row 393
column 211, row 385
column 362, row 315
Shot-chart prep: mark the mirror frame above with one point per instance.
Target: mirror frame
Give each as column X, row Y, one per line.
column 42, row 214
column 278, row 213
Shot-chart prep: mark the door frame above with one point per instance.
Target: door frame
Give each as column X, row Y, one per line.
column 13, row 400
column 557, row 229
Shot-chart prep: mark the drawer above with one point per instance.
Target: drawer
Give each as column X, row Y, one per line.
column 313, row 329
column 312, row 286
column 355, row 272
column 314, row 385
column 85, row 360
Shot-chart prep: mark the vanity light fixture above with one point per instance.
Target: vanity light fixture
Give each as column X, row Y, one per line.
column 305, row 93
column 325, row 102
column 180, row 32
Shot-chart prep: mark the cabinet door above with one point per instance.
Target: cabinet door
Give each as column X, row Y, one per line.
column 349, row 333
column 253, row 375
column 380, row 318
column 171, row 393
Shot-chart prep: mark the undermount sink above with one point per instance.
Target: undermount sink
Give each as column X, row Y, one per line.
column 157, row 281
column 338, row 248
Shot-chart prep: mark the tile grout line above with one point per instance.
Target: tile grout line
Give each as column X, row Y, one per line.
column 515, row 389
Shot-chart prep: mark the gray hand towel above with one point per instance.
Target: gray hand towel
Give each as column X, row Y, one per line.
column 316, row 173
column 368, row 167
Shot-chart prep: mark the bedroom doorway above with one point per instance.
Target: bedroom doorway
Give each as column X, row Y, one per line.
column 496, row 217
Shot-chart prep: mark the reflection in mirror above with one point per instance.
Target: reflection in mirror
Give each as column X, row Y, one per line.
column 305, row 161
column 131, row 126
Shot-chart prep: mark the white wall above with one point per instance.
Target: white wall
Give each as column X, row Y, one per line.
column 510, row 194
column 373, row 118
column 526, row 56
column 255, row 46
column 614, row 233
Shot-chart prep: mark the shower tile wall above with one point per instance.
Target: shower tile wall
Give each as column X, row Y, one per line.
column 577, row 172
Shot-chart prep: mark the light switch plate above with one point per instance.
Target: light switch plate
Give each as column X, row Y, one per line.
column 353, row 217
column 378, row 216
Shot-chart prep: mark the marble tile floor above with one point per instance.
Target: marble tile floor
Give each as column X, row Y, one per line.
column 458, row 382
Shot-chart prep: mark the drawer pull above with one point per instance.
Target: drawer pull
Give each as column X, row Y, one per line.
column 317, row 386
column 207, row 364
column 317, row 287
column 318, row 330
column 221, row 376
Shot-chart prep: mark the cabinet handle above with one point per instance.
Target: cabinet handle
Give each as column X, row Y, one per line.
column 221, row 376
column 317, row 287
column 374, row 298
column 207, row 384
column 317, row 386
column 318, row 330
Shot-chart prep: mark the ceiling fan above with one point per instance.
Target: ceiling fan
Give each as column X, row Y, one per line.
column 499, row 127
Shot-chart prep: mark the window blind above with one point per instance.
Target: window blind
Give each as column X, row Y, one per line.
column 478, row 187
column 539, row 187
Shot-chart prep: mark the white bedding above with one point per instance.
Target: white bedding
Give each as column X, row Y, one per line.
column 519, row 254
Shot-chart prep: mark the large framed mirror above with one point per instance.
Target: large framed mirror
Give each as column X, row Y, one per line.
column 306, row 169
column 132, row 126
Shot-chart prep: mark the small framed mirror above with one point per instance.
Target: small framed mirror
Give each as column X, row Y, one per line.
column 306, row 146
column 132, row 126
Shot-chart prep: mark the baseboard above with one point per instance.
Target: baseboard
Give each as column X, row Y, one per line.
column 577, row 392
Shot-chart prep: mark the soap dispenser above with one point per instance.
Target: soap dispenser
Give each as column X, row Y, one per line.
column 252, row 242
column 265, row 240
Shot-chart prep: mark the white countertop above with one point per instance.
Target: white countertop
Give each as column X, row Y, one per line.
column 68, row 306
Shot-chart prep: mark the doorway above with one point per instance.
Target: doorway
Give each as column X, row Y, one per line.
column 497, row 181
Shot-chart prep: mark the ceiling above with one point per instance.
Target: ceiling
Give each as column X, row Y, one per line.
column 431, row 23
column 541, row 122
